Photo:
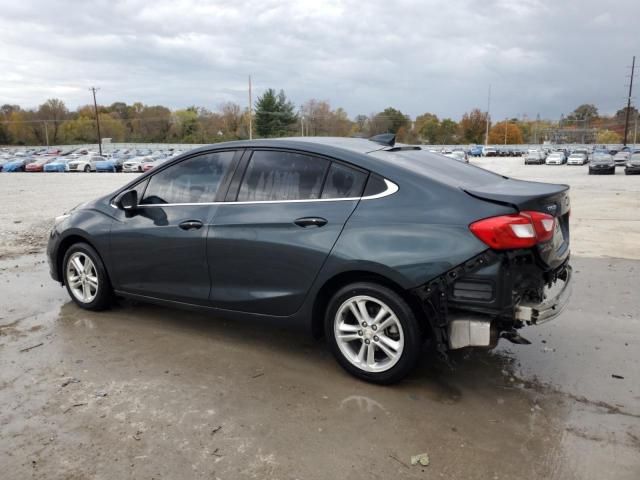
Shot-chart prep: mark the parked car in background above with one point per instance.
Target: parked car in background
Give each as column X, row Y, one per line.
column 555, row 158
column 281, row 229
column 59, row 164
column 146, row 166
column 38, row 164
column 633, row 164
column 602, row 163
column 577, row 159
column 85, row 164
column 583, row 151
column 17, row 164
column 135, row 164
column 489, row 151
column 621, row 158
column 476, row 151
column 534, row 157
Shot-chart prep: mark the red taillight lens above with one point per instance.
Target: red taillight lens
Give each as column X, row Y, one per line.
column 506, row 232
column 544, row 224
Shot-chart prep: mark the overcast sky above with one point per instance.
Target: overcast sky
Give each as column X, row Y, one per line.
column 540, row 56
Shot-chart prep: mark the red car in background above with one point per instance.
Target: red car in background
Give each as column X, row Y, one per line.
column 52, row 152
column 38, row 165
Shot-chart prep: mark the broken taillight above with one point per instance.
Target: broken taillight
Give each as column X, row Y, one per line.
column 522, row 230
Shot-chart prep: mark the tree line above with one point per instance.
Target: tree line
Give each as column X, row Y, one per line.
column 274, row 115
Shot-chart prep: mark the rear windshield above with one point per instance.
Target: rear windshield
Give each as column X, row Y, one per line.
column 438, row 167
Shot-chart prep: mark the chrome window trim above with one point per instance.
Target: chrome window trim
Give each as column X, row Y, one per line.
column 391, row 189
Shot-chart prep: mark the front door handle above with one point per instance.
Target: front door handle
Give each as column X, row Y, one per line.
column 191, row 225
column 311, row 222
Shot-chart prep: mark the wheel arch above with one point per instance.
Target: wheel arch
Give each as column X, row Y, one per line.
column 66, row 243
column 340, row 280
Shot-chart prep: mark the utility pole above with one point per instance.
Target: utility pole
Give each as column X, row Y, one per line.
column 95, row 107
column 626, row 120
column 46, row 132
column 506, row 127
column 486, row 133
column 250, row 112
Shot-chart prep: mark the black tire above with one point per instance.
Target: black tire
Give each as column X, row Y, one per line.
column 406, row 317
column 104, row 293
column 87, row 169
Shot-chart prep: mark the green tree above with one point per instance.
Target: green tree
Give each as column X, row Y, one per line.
column 274, row 114
column 448, row 132
column 394, row 119
column 585, row 112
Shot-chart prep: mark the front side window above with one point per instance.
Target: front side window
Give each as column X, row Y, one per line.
column 273, row 176
column 195, row 180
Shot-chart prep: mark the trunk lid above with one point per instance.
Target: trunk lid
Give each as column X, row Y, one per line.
column 541, row 197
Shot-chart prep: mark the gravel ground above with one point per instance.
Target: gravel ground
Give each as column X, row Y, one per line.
column 141, row 391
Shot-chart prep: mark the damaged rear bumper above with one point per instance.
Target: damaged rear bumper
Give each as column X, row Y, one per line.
column 535, row 314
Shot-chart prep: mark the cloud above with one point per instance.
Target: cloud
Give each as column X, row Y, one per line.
column 540, row 56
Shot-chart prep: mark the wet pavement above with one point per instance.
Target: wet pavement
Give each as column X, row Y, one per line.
column 142, row 391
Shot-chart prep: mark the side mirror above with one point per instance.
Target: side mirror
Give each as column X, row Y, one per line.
column 128, row 201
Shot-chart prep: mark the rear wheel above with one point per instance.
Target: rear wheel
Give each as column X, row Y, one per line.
column 372, row 332
column 86, row 278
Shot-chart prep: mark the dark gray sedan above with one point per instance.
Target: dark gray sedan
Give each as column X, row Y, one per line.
column 377, row 246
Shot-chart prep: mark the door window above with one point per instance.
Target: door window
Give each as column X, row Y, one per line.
column 273, row 176
column 195, row 180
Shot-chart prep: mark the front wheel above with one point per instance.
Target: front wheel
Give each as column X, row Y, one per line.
column 87, row 169
column 373, row 333
column 86, row 278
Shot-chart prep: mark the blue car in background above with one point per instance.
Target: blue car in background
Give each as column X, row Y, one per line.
column 106, row 166
column 58, row 165
column 16, row 165
column 476, row 151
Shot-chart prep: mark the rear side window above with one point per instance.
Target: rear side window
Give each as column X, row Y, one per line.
column 195, row 180
column 343, row 182
column 273, row 176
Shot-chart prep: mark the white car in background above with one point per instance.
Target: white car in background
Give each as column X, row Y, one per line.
column 555, row 158
column 577, row 159
column 135, row 164
column 86, row 163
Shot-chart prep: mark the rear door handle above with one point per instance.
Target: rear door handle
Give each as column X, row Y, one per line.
column 310, row 222
column 191, row 225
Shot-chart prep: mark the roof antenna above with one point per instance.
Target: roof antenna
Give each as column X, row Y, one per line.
column 388, row 139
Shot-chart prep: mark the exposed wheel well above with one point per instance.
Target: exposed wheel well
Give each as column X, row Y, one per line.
column 336, row 283
column 67, row 243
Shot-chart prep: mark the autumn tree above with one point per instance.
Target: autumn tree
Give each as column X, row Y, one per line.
column 608, row 137
column 510, row 129
column 274, row 114
column 54, row 111
column 473, row 125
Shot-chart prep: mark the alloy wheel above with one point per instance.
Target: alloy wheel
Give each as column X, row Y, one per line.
column 368, row 333
column 82, row 277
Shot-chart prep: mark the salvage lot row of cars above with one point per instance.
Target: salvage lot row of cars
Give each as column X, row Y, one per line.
column 84, row 160
column 600, row 161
